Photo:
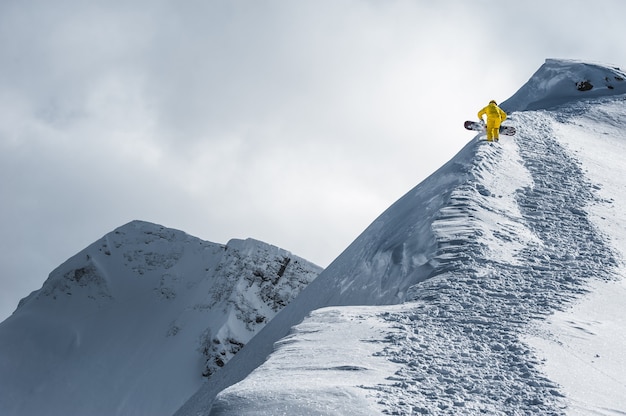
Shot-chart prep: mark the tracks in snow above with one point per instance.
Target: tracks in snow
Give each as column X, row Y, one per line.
column 472, row 309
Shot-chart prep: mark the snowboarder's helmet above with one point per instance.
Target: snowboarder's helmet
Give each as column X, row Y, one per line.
column 493, row 102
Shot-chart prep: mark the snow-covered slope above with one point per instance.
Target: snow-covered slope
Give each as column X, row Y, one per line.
column 131, row 324
column 394, row 253
column 485, row 263
column 560, row 81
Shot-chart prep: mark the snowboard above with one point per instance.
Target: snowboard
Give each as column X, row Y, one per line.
column 477, row 126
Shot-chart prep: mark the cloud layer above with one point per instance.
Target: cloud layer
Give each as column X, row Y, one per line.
column 295, row 123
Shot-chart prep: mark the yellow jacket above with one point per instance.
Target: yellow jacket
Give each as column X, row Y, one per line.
column 493, row 112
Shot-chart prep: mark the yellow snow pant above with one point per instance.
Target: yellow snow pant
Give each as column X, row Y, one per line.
column 493, row 128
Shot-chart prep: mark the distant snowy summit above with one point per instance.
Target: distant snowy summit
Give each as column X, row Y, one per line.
column 560, row 81
column 147, row 309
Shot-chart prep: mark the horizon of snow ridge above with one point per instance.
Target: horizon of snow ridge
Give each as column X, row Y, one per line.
column 489, row 254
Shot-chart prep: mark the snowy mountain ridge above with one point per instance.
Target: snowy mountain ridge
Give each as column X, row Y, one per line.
column 495, row 286
column 560, row 81
column 141, row 295
column 496, row 244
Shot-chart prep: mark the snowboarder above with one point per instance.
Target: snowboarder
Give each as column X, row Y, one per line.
column 495, row 116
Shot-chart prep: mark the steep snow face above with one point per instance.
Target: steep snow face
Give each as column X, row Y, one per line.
column 131, row 324
column 560, row 81
column 514, row 244
column 395, row 252
column 477, row 256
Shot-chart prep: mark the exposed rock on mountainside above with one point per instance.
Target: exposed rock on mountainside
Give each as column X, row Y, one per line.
column 141, row 307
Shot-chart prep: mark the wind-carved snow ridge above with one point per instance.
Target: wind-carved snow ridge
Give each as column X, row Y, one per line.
column 479, row 253
column 474, row 306
column 513, row 245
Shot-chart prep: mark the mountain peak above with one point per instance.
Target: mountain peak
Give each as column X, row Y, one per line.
column 559, row 81
column 151, row 303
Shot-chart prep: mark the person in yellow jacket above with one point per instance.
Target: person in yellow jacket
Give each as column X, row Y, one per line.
column 495, row 116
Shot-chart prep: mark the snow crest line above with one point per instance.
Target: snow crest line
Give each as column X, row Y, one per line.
column 474, row 306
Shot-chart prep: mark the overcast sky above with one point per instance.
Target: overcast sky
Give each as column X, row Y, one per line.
column 292, row 122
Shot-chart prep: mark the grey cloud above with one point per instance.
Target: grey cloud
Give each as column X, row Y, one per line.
column 296, row 123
